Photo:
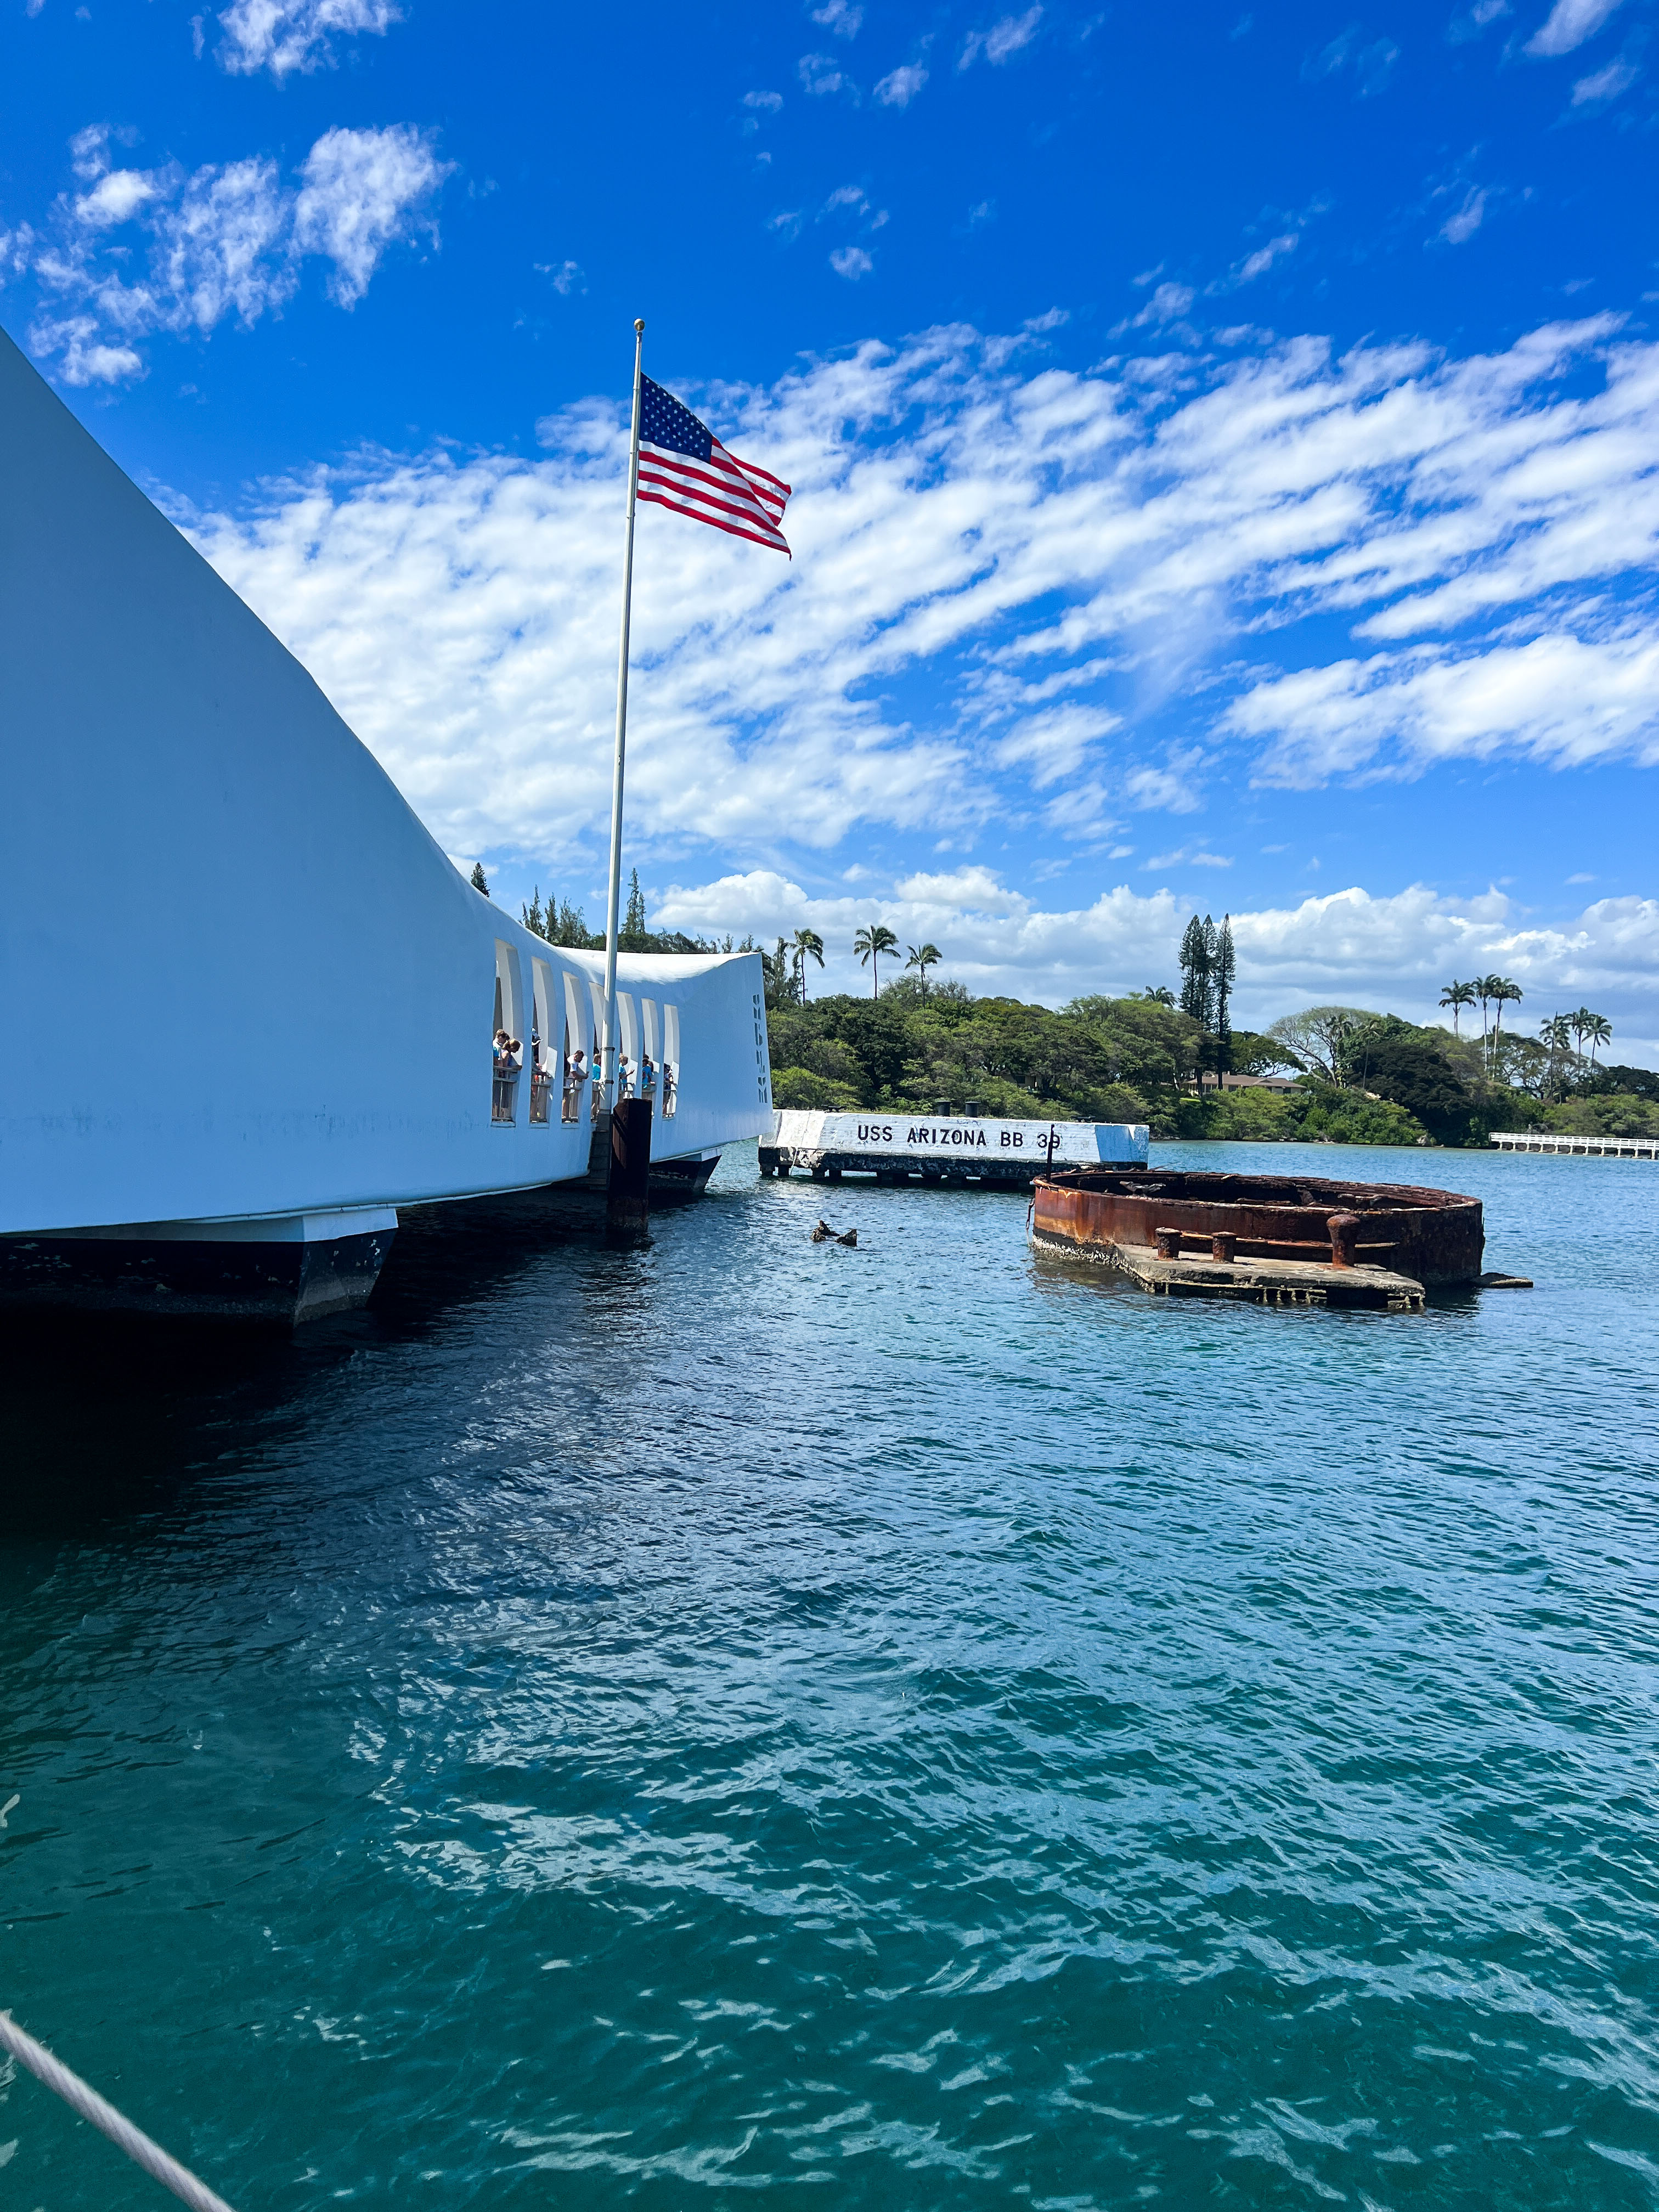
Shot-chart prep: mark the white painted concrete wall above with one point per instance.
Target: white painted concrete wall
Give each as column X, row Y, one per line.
column 962, row 1140
column 237, row 975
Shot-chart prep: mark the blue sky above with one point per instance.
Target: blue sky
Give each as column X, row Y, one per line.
column 1224, row 444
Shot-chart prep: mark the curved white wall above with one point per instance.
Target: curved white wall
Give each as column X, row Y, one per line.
column 237, row 975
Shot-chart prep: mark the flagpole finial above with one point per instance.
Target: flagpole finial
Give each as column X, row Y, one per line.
column 639, row 324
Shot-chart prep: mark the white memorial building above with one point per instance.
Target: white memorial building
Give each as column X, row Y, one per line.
column 247, row 1004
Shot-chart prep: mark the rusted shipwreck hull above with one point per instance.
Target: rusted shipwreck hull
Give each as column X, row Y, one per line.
column 1277, row 1239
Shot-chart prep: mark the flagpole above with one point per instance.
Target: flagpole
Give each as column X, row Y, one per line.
column 610, row 1075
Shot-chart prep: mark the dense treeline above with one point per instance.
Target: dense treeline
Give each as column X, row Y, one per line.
column 1380, row 1080
column 561, row 923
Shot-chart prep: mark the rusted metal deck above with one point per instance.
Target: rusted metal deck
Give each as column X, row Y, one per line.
column 1269, row 1240
column 1256, row 1282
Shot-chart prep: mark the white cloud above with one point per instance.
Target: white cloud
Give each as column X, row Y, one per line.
column 1020, row 593
column 117, row 196
column 364, row 190
column 1371, row 62
column 846, row 196
column 1056, row 743
column 220, row 245
column 16, row 251
column 85, row 356
column 1005, row 37
column 1605, row 84
column 286, row 35
column 222, row 240
column 1392, row 953
column 1568, row 24
column 1172, row 789
column 820, row 74
column 1474, row 20
column 900, row 85
column 1167, row 305
column 565, row 276
column 1466, row 220
column 763, row 103
column 839, row 17
column 851, row 262
column 89, row 151
column 1559, row 699
column 1258, row 264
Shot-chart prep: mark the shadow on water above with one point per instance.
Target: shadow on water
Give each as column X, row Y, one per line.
column 448, row 1257
column 107, row 1416
column 111, row 1419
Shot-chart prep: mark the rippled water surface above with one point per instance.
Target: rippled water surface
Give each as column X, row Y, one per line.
column 915, row 1726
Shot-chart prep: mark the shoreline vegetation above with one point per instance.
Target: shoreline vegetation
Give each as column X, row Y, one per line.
column 1329, row 1074
column 1134, row 1059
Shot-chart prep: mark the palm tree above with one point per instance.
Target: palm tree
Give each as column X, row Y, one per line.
column 1457, row 996
column 1482, row 988
column 870, row 945
column 809, row 945
column 1599, row 1030
column 1158, row 994
column 1556, row 1034
column 1502, row 993
column 925, row 957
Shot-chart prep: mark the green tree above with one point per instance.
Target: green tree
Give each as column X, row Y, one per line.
column 1317, row 1040
column 572, row 928
column 1556, row 1035
column 1457, row 996
column 632, row 936
column 1599, row 1031
column 480, row 881
column 1195, row 956
column 808, row 945
column 870, row 945
column 924, row 957
column 777, row 974
column 1502, row 993
column 1482, row 988
column 1223, row 970
column 1410, row 1066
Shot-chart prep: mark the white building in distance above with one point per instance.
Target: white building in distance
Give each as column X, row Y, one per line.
column 246, row 1002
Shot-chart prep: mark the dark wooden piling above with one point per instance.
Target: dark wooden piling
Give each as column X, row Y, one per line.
column 628, row 1190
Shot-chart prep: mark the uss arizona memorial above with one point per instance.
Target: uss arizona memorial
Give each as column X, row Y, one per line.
column 246, row 1001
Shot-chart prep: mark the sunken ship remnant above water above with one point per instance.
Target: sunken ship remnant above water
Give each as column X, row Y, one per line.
column 246, row 1002
column 1270, row 1240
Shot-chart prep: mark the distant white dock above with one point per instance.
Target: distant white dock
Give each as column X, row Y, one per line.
column 1605, row 1148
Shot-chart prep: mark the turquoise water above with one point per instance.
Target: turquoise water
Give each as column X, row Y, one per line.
column 908, row 1727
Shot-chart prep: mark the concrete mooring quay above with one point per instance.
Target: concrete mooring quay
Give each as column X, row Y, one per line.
column 1268, row 1240
column 944, row 1146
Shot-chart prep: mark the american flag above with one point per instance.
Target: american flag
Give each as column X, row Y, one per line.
column 683, row 465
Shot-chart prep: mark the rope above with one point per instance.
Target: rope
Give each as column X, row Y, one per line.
column 121, row 2132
